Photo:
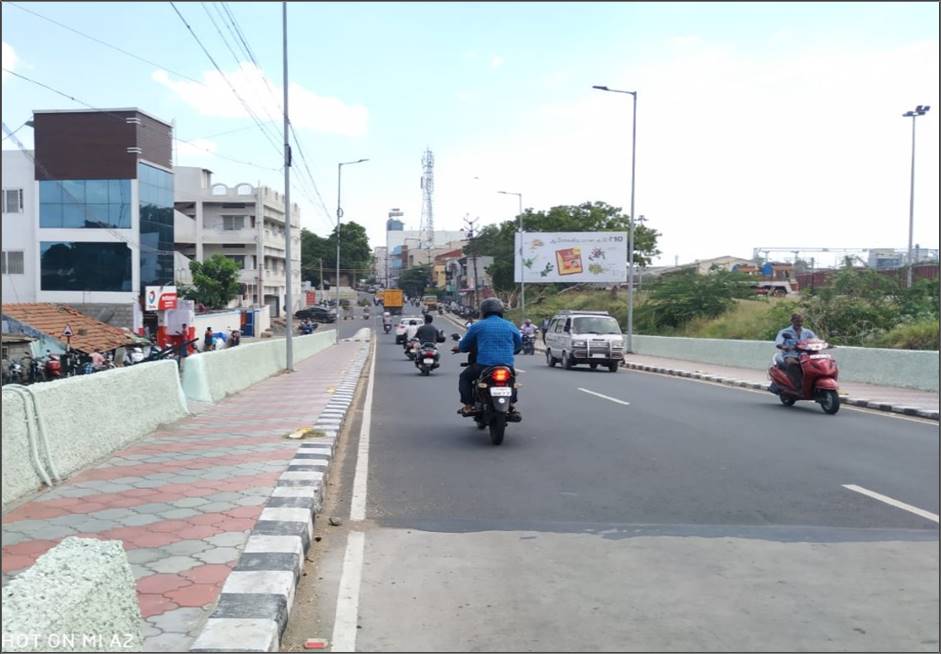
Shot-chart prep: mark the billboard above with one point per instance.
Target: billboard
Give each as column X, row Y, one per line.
column 554, row 257
column 159, row 298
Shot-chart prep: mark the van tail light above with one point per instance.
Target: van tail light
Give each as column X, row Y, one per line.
column 500, row 375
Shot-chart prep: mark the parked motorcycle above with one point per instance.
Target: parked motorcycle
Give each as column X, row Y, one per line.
column 13, row 373
column 427, row 359
column 819, row 375
column 52, row 367
column 493, row 392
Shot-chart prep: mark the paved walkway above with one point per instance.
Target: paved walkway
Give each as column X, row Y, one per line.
column 884, row 394
column 184, row 498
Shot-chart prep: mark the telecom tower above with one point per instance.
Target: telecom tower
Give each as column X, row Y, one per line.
column 428, row 188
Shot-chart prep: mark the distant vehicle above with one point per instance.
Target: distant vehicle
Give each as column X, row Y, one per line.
column 430, row 302
column 776, row 288
column 317, row 314
column 592, row 337
column 403, row 326
column 393, row 300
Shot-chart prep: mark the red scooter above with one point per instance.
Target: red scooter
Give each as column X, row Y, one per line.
column 818, row 377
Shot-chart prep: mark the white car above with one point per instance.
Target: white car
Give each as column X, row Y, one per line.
column 403, row 325
column 592, row 337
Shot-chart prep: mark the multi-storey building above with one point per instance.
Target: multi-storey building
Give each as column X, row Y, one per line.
column 88, row 214
column 244, row 223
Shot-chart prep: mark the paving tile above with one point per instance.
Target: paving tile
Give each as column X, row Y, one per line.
column 139, row 520
column 176, row 563
column 161, row 583
column 228, row 539
column 189, row 502
column 198, row 531
column 194, row 595
column 45, row 530
column 180, row 620
column 218, row 507
column 140, row 571
column 168, row 642
column 179, row 514
column 154, row 507
column 210, row 573
column 251, row 501
column 145, row 555
column 113, row 514
column 218, row 555
column 154, row 604
column 192, row 546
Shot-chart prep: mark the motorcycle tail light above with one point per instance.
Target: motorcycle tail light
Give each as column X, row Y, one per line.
column 500, row 375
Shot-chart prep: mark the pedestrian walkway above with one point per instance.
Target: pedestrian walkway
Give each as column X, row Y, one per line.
column 184, row 498
column 889, row 395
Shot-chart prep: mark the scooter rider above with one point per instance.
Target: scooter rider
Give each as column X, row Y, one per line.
column 528, row 328
column 495, row 341
column 787, row 358
column 386, row 319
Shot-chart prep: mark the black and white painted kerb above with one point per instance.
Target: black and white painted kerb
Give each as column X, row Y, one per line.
column 256, row 599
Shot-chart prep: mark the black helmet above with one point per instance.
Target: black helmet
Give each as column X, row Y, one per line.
column 491, row 306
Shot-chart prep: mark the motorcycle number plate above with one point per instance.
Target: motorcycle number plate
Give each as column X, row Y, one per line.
column 820, row 356
column 501, row 391
column 428, row 361
column 599, row 356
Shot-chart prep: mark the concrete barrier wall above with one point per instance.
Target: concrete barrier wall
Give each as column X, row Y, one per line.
column 84, row 419
column 210, row 376
column 901, row 368
column 80, row 596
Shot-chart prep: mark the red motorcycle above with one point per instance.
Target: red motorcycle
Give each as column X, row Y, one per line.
column 53, row 367
column 819, row 375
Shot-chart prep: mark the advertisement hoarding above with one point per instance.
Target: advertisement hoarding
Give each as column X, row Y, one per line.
column 571, row 257
column 159, row 298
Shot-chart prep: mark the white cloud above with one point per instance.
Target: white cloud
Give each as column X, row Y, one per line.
column 10, row 59
column 805, row 148
column 215, row 99
column 496, row 61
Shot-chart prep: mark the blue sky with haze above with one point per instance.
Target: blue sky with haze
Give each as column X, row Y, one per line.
column 748, row 115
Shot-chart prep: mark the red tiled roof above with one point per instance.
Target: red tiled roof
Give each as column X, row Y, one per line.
column 88, row 334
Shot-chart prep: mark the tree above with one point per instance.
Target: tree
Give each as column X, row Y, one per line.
column 215, row 282
column 497, row 241
column 415, row 280
column 355, row 253
column 676, row 299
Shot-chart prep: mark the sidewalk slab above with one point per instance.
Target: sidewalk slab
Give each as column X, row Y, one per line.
column 184, row 499
column 886, row 398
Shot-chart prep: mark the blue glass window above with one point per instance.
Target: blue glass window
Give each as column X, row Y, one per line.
column 74, row 266
column 156, row 225
column 85, row 203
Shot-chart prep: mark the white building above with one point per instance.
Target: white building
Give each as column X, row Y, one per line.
column 244, row 223
column 19, row 260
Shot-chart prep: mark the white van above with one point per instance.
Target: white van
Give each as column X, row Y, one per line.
column 592, row 337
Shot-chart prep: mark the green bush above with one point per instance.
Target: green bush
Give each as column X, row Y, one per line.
column 921, row 335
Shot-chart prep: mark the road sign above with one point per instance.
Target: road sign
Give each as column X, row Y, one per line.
column 67, row 332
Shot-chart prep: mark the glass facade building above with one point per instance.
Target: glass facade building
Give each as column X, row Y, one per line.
column 85, row 203
column 156, row 225
column 79, row 266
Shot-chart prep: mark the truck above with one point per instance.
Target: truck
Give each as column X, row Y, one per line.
column 430, row 302
column 393, row 300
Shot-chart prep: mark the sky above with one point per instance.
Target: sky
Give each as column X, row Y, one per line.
column 758, row 124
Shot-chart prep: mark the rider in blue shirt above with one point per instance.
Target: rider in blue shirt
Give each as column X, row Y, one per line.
column 493, row 340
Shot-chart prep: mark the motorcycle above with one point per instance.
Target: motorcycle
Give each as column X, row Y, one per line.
column 493, row 393
column 14, row 373
column 52, row 367
column 819, row 375
column 529, row 344
column 387, row 327
column 411, row 349
column 427, row 358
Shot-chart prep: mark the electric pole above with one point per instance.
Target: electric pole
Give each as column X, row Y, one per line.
column 470, row 239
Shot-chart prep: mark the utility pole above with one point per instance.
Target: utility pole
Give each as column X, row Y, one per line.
column 470, row 239
column 920, row 110
column 321, row 274
column 288, row 268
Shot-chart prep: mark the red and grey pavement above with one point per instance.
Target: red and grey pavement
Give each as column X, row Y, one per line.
column 184, row 499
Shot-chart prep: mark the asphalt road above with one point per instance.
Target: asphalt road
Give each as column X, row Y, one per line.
column 684, row 516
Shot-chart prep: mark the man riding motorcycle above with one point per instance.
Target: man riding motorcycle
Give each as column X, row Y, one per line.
column 528, row 328
column 495, row 341
column 386, row 321
column 787, row 357
column 427, row 333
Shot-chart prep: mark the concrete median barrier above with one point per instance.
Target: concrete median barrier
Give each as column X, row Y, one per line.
column 53, row 429
column 80, row 596
column 885, row 367
column 210, row 376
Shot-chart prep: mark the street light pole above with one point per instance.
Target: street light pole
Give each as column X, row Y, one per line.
column 519, row 228
column 920, row 110
column 288, row 234
column 339, row 220
column 630, row 239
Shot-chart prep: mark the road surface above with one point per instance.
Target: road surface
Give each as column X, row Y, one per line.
column 628, row 511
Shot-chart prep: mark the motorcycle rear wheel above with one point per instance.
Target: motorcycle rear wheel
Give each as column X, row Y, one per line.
column 497, row 427
column 787, row 400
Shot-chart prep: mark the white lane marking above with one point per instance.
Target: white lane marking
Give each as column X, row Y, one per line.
column 613, row 399
column 358, row 501
column 888, row 500
column 519, row 370
column 347, row 615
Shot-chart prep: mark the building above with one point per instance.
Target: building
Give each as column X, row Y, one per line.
column 439, row 272
column 405, row 248
column 467, row 278
column 88, row 215
column 244, row 223
column 380, row 261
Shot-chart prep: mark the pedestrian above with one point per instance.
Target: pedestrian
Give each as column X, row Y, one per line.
column 207, row 339
column 235, row 338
